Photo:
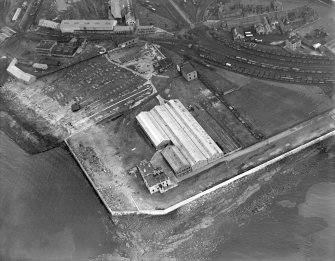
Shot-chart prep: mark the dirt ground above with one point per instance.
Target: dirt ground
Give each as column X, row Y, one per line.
column 107, row 156
column 271, row 106
column 97, row 84
column 164, row 18
column 82, row 9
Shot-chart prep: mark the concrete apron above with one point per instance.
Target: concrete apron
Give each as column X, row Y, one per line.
column 208, row 191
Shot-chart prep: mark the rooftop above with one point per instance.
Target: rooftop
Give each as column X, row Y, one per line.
column 46, row 44
column 187, row 68
column 151, row 175
column 294, row 39
column 175, row 158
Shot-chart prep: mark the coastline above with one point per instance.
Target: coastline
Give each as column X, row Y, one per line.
column 208, row 191
column 23, row 133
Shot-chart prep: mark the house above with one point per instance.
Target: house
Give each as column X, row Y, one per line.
column 154, row 178
column 188, row 72
column 259, row 28
column 49, row 24
column 176, row 160
column 237, row 33
column 293, row 43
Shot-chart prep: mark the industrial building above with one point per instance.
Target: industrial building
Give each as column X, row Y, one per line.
column 293, row 43
column 128, row 43
column 19, row 74
column 123, row 29
column 16, row 14
column 188, row 72
column 64, row 50
column 45, row 47
column 237, row 33
column 49, row 24
column 130, row 20
column 71, row 26
column 154, row 178
column 187, row 145
column 152, row 129
column 145, row 29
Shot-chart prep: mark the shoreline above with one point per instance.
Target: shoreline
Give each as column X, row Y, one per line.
column 210, row 190
column 310, row 136
column 23, row 133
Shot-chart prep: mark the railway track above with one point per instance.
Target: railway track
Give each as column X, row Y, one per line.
column 255, row 67
column 257, row 134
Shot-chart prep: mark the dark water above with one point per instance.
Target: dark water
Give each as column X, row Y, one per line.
column 48, row 211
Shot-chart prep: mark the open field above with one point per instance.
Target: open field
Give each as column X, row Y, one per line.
column 273, row 108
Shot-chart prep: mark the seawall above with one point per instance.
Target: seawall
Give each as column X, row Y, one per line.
column 207, row 191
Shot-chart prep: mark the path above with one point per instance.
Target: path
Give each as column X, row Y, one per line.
column 182, row 14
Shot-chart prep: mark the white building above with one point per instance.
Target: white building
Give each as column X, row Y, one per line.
column 16, row 14
column 173, row 124
column 19, row 74
column 49, row 24
column 154, row 179
column 71, row 26
column 152, row 129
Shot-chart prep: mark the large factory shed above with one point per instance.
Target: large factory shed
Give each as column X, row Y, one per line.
column 71, row 26
column 186, row 135
column 151, row 128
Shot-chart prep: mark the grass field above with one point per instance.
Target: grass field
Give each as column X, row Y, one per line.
column 273, row 108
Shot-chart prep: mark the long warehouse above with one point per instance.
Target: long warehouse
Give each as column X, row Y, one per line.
column 185, row 144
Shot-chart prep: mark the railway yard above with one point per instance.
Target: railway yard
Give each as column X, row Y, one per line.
column 254, row 100
column 249, row 59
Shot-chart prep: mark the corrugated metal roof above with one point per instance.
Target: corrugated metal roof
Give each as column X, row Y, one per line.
column 187, row 130
column 76, row 25
column 207, row 143
column 178, row 135
column 147, row 172
column 175, row 158
column 152, row 129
